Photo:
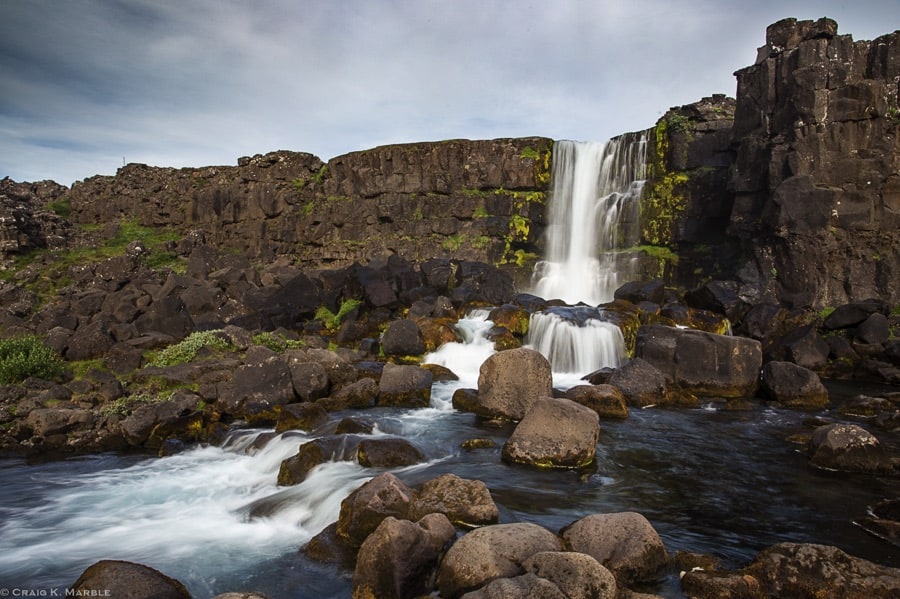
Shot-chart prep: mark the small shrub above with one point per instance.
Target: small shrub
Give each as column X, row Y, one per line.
column 186, row 350
column 125, row 405
column 26, row 356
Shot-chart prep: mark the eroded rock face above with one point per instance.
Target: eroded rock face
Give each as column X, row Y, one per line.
column 817, row 195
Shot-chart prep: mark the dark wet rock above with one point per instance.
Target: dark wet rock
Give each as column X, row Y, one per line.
column 465, row 400
column 309, row 379
column 624, row 542
column 329, row 448
column 46, row 422
column 608, row 401
column 491, row 552
column 797, row 570
column 362, row 393
column 702, row 363
column 404, row 386
column 554, row 433
column 513, row 318
column 721, row 297
column 400, row 557
column 355, row 425
column 852, row 314
column 388, row 453
column 463, row 501
column 328, row 548
column 803, row 346
column 168, row 415
column 300, row 416
column 849, row 448
column 255, row 390
column 641, row 382
column 510, row 381
column 762, row 320
column 883, row 521
column 364, row 509
column 403, row 338
column 642, row 291
column 874, row 330
column 127, row 580
column 793, row 385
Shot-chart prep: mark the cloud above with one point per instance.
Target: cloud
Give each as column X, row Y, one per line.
column 86, row 82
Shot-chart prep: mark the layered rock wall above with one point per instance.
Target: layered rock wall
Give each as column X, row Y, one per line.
column 816, row 178
column 475, row 200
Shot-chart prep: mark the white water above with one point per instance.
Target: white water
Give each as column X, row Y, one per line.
column 573, row 349
column 593, row 215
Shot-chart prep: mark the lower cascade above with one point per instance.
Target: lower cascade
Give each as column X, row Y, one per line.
column 575, row 340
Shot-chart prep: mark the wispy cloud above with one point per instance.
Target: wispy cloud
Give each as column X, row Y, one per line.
column 88, row 82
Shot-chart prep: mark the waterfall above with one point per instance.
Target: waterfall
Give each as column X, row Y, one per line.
column 594, row 206
column 594, row 209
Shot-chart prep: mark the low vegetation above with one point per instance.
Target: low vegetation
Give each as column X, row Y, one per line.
column 27, row 356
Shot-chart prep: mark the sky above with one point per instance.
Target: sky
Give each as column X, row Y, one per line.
column 89, row 85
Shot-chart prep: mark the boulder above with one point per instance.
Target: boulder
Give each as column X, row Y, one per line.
column 526, row 585
column 852, row 314
column 255, row 390
column 624, row 542
column 874, row 330
column 126, row 580
column 364, row 509
column 642, row 291
column 138, row 427
column 641, row 383
column 309, row 379
column 793, row 385
column 802, row 346
column 403, row 338
column 702, row 363
column 721, row 297
column 510, row 381
column 490, row 552
column 362, row 393
column 404, row 386
column 797, row 570
column 59, row 421
column 463, row 501
column 399, row 558
column 849, row 448
column 388, row 453
column 300, row 416
column 330, row 448
column 555, row 433
column 608, row 401
column 577, row 575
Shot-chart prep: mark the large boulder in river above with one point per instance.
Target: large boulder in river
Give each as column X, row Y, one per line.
column 641, row 383
column 849, row 448
column 797, row 570
column 463, row 501
column 126, row 580
column 793, row 385
column 490, row 552
column 555, row 433
column 702, row 363
column 364, row 509
column 510, row 381
column 399, row 558
column 404, row 386
column 624, row 542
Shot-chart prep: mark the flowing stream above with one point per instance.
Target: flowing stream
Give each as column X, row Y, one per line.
column 709, row 480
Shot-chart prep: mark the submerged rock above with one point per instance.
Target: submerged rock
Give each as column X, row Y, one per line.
column 849, row 448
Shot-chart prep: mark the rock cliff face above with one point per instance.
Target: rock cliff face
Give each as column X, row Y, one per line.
column 476, row 200
column 816, row 177
column 794, row 189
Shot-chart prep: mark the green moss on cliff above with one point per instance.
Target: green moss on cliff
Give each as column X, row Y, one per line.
column 663, row 200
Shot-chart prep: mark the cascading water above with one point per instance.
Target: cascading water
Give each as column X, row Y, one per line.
column 594, row 208
column 594, row 205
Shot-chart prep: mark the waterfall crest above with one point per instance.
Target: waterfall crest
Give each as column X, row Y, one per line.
column 593, row 216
